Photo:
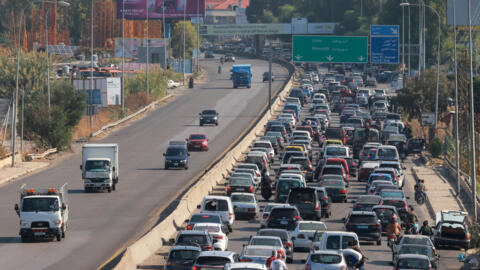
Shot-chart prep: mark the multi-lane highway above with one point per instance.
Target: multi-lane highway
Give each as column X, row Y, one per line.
column 100, row 223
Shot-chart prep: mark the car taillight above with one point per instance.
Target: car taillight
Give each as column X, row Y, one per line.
column 362, row 154
column 218, row 237
column 265, row 216
column 343, row 267
column 229, row 188
column 308, row 267
column 343, row 191
column 356, row 206
column 246, row 260
column 301, row 236
column 209, row 247
column 438, row 234
column 189, row 227
column 287, row 244
column 296, row 217
column 317, row 206
column 230, row 216
column 354, row 165
column 467, row 236
column 250, row 189
column 320, row 183
column 251, row 209
column 196, row 268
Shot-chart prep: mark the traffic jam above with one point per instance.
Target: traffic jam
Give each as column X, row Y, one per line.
column 323, row 188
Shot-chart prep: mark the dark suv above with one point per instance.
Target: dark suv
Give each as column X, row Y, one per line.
column 208, row 117
column 366, row 225
column 176, row 156
column 283, row 217
column 200, row 239
column 306, row 201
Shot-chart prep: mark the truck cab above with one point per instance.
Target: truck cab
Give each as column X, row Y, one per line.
column 242, row 75
column 43, row 213
column 100, row 166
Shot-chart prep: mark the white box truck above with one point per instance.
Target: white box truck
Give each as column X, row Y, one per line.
column 43, row 213
column 100, row 166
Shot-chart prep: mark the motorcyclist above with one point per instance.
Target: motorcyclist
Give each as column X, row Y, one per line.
column 412, row 218
column 354, row 245
column 393, row 228
column 266, row 187
column 219, row 69
column 425, row 229
column 420, row 186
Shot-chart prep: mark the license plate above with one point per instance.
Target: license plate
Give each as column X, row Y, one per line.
column 175, row 164
column 39, row 233
column 362, row 226
column 284, row 222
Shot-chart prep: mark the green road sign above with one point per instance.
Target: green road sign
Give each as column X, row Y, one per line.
column 330, row 49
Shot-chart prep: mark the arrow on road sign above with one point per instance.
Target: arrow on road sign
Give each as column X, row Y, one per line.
column 329, row 58
column 361, row 58
column 298, row 57
column 394, row 30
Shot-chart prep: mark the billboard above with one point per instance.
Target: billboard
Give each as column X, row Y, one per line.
column 132, row 45
column 173, row 9
column 267, row 29
column 461, row 11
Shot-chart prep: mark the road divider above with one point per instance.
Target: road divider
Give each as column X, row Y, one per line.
column 159, row 235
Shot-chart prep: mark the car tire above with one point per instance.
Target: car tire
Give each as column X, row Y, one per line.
column 379, row 242
column 87, row 190
column 24, row 238
column 166, row 167
column 63, row 232
column 114, row 187
column 216, row 123
column 201, row 123
column 289, row 260
column 59, row 237
column 186, row 167
column 109, row 189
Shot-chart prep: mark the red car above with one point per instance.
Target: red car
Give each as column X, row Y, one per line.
column 197, row 142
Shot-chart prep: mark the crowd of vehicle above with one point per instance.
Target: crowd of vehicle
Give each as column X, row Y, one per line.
column 332, row 131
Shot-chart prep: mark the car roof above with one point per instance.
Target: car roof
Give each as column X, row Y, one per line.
column 243, row 193
column 328, row 251
column 413, row 256
column 248, row 265
column 191, row 232
column 216, row 253
column 364, row 213
column 186, row 248
column 384, row 206
column 266, row 237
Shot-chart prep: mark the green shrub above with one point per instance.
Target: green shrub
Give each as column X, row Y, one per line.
column 436, row 147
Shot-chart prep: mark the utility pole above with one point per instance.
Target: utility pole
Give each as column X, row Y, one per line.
column 457, row 144
column 409, row 45
column 473, row 172
column 184, row 29
column 123, row 56
column 148, row 53
column 270, row 79
column 91, row 65
column 48, row 60
column 403, row 47
column 164, row 37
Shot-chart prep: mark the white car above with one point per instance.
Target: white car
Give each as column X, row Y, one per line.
column 303, row 234
column 289, row 117
column 326, row 260
column 172, row 84
column 265, row 144
column 271, row 241
column 220, row 239
column 257, row 254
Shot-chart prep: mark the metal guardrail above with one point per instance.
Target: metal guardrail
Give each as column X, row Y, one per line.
column 42, row 155
column 463, row 176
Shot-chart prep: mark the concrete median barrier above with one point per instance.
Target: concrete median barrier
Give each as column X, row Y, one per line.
column 161, row 233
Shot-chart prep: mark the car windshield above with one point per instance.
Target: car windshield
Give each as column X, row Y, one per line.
column 242, row 198
column 212, row 260
column 211, row 229
column 416, row 240
column 332, row 170
column 216, row 205
column 191, row 239
column 97, row 165
column 392, row 193
column 384, row 213
column 396, row 203
column 197, row 137
column 283, row 213
column 413, row 263
column 387, row 152
column 240, row 182
column 301, row 197
column 284, row 186
column 333, row 133
column 175, row 152
column 265, row 242
column 336, row 151
column 184, row 254
column 205, row 219
column 419, row 250
column 362, row 219
column 258, row 252
column 380, row 177
column 311, row 226
column 333, row 184
column 39, row 204
column 325, row 258
column 209, row 112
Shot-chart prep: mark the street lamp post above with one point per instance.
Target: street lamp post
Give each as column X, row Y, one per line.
column 184, row 29
column 123, row 57
column 148, row 52
column 455, row 65
column 438, row 58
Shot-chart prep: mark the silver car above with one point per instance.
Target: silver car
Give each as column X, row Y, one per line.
column 326, row 260
column 244, row 205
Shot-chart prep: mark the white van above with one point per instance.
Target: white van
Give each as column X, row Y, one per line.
column 220, row 205
column 334, row 240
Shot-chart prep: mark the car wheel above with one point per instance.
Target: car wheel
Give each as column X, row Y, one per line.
column 87, row 190
column 379, row 242
column 289, row 260
column 59, row 237
column 201, row 123
column 24, row 238
column 186, row 168
column 109, row 189
column 166, row 167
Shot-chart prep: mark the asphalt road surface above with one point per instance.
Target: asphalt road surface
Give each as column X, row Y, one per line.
column 380, row 257
column 100, row 223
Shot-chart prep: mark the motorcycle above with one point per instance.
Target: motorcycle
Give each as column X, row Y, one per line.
column 392, row 239
column 266, row 190
column 220, row 70
column 420, row 197
column 410, row 229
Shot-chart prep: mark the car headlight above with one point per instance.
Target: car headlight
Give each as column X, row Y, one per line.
column 106, row 180
column 183, row 161
column 215, row 117
column 24, row 224
column 87, row 181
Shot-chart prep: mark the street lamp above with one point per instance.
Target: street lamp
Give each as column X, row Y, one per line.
column 63, row 4
column 406, row 4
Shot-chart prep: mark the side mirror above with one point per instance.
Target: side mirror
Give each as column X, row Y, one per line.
column 64, row 206
column 187, row 220
column 171, row 241
column 198, row 206
column 344, row 219
column 81, row 167
column 17, row 209
column 188, row 154
column 114, row 168
column 408, row 197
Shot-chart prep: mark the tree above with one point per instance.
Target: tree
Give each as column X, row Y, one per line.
column 176, row 42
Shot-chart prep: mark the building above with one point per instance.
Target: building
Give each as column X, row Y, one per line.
column 225, row 11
